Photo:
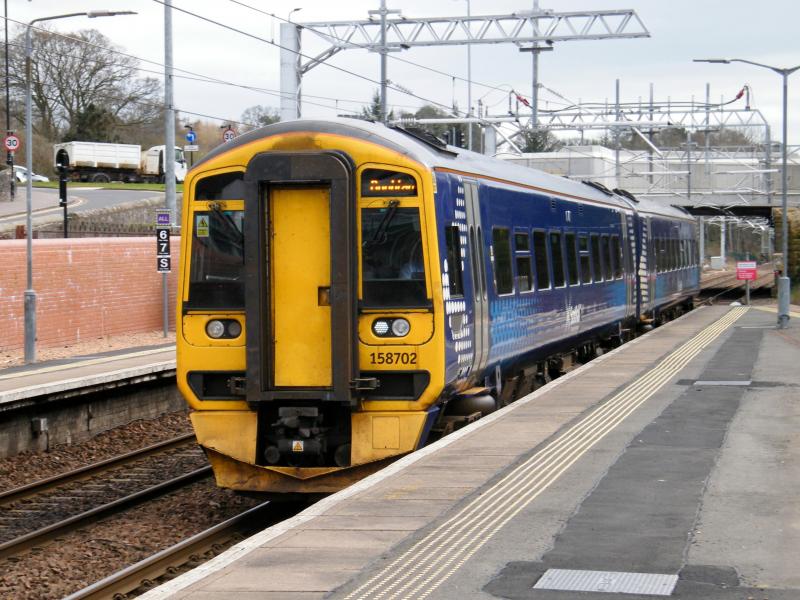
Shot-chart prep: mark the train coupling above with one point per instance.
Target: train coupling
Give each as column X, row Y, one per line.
column 298, row 433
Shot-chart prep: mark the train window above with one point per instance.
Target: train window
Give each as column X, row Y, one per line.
column 558, row 259
column 384, row 183
column 606, row 256
column 572, row 258
column 501, row 244
column 616, row 251
column 522, row 247
column 216, row 276
column 596, row 258
column 585, row 257
column 524, row 276
column 393, row 271
column 226, row 186
column 673, row 251
column 660, row 254
column 454, row 274
column 540, row 258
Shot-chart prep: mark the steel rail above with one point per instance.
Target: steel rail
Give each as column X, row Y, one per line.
column 46, row 534
column 159, row 564
column 37, row 487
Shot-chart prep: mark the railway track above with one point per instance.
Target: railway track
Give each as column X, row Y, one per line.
column 726, row 283
column 35, row 514
column 185, row 554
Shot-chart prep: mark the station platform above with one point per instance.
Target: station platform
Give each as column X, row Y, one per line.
column 669, row 467
column 64, row 378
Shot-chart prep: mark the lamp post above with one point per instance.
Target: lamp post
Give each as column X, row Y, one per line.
column 30, row 294
column 783, row 282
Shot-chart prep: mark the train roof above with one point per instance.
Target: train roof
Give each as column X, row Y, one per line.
column 451, row 157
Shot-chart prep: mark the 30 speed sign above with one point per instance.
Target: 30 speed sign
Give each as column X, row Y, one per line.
column 11, row 143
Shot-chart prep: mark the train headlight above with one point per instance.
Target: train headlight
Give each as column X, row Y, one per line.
column 215, row 329
column 400, row 327
column 380, row 327
column 234, row 328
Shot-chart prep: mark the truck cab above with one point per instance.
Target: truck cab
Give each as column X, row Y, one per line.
column 153, row 163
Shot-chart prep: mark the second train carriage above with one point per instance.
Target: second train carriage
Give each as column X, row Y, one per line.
column 347, row 289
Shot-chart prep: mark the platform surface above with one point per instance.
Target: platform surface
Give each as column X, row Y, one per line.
column 670, row 466
column 72, row 374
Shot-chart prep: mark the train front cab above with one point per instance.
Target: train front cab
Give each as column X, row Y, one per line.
column 340, row 365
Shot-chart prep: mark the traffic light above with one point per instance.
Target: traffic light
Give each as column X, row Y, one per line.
column 459, row 137
column 62, row 184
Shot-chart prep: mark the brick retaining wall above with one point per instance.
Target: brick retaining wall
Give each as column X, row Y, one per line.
column 86, row 288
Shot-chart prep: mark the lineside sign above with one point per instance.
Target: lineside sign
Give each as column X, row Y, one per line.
column 746, row 270
column 163, row 258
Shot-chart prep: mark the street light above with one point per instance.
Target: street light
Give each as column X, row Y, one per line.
column 783, row 282
column 30, row 294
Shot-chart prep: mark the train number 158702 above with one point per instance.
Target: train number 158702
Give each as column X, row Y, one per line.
column 393, row 358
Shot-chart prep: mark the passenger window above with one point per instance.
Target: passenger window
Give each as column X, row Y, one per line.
column 616, row 250
column 572, row 258
column 523, row 261
column 596, row 258
column 540, row 256
column 453, row 240
column 558, row 259
column 503, row 277
column 674, row 253
column 586, row 267
column 606, row 258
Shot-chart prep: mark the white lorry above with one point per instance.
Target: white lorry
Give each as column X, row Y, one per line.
column 100, row 162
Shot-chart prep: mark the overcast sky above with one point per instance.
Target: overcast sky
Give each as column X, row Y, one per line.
column 680, row 30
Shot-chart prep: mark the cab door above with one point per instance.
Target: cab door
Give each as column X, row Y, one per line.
column 300, row 274
column 300, row 277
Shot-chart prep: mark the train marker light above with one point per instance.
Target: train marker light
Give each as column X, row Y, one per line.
column 400, row 327
column 215, row 329
column 234, row 328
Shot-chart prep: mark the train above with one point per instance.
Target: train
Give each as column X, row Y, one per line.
column 350, row 291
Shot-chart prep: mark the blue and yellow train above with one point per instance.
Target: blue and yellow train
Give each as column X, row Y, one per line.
column 350, row 291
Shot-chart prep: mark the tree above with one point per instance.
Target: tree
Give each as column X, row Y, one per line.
column 539, row 140
column 70, row 72
column 259, row 116
column 94, row 124
column 372, row 112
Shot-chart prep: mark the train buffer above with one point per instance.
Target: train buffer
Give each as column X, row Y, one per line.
column 666, row 468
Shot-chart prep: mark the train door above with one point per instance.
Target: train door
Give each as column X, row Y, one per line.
column 300, row 284
column 477, row 262
column 646, row 282
column 629, row 260
column 300, row 272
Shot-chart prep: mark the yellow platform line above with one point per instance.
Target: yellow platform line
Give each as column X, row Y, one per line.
column 433, row 559
column 774, row 309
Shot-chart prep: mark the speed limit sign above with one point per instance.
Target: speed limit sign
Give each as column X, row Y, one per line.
column 228, row 134
column 11, row 143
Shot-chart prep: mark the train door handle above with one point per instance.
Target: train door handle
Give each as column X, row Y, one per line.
column 323, row 296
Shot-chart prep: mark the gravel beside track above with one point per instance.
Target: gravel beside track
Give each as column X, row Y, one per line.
column 87, row 555
column 26, row 467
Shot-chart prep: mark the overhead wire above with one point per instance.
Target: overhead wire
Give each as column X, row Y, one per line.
column 301, row 55
column 364, row 47
column 194, row 76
